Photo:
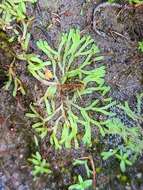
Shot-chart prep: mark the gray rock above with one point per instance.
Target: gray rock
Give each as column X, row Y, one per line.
column 49, row 4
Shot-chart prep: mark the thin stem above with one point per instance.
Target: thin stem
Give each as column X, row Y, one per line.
column 56, row 124
column 76, row 106
column 51, row 116
column 47, row 83
column 54, row 69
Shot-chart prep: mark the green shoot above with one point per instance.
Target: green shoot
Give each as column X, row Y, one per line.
column 124, row 160
column 136, row 116
column 140, row 46
column 106, row 155
column 14, row 11
column 40, row 126
column 85, row 164
column 15, row 81
column 132, row 142
column 120, row 155
column 40, row 165
column 130, row 1
column 132, row 136
column 81, row 185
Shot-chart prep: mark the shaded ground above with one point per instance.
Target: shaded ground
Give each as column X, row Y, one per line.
column 116, row 30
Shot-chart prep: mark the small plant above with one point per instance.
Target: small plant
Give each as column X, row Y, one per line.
column 124, row 160
column 135, row 115
column 81, row 185
column 15, row 22
column 40, row 165
column 120, row 155
column 116, row 127
column 140, row 46
column 132, row 138
column 40, row 126
column 70, row 80
column 12, row 10
column 13, row 79
column 83, row 162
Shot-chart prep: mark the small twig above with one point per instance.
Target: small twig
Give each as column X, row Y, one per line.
column 94, row 171
column 93, row 168
column 117, row 33
column 47, row 83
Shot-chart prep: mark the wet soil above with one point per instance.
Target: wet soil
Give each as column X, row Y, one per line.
column 116, row 30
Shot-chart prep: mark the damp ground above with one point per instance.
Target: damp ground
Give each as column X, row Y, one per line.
column 116, row 29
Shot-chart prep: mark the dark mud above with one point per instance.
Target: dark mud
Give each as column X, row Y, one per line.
column 116, row 30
